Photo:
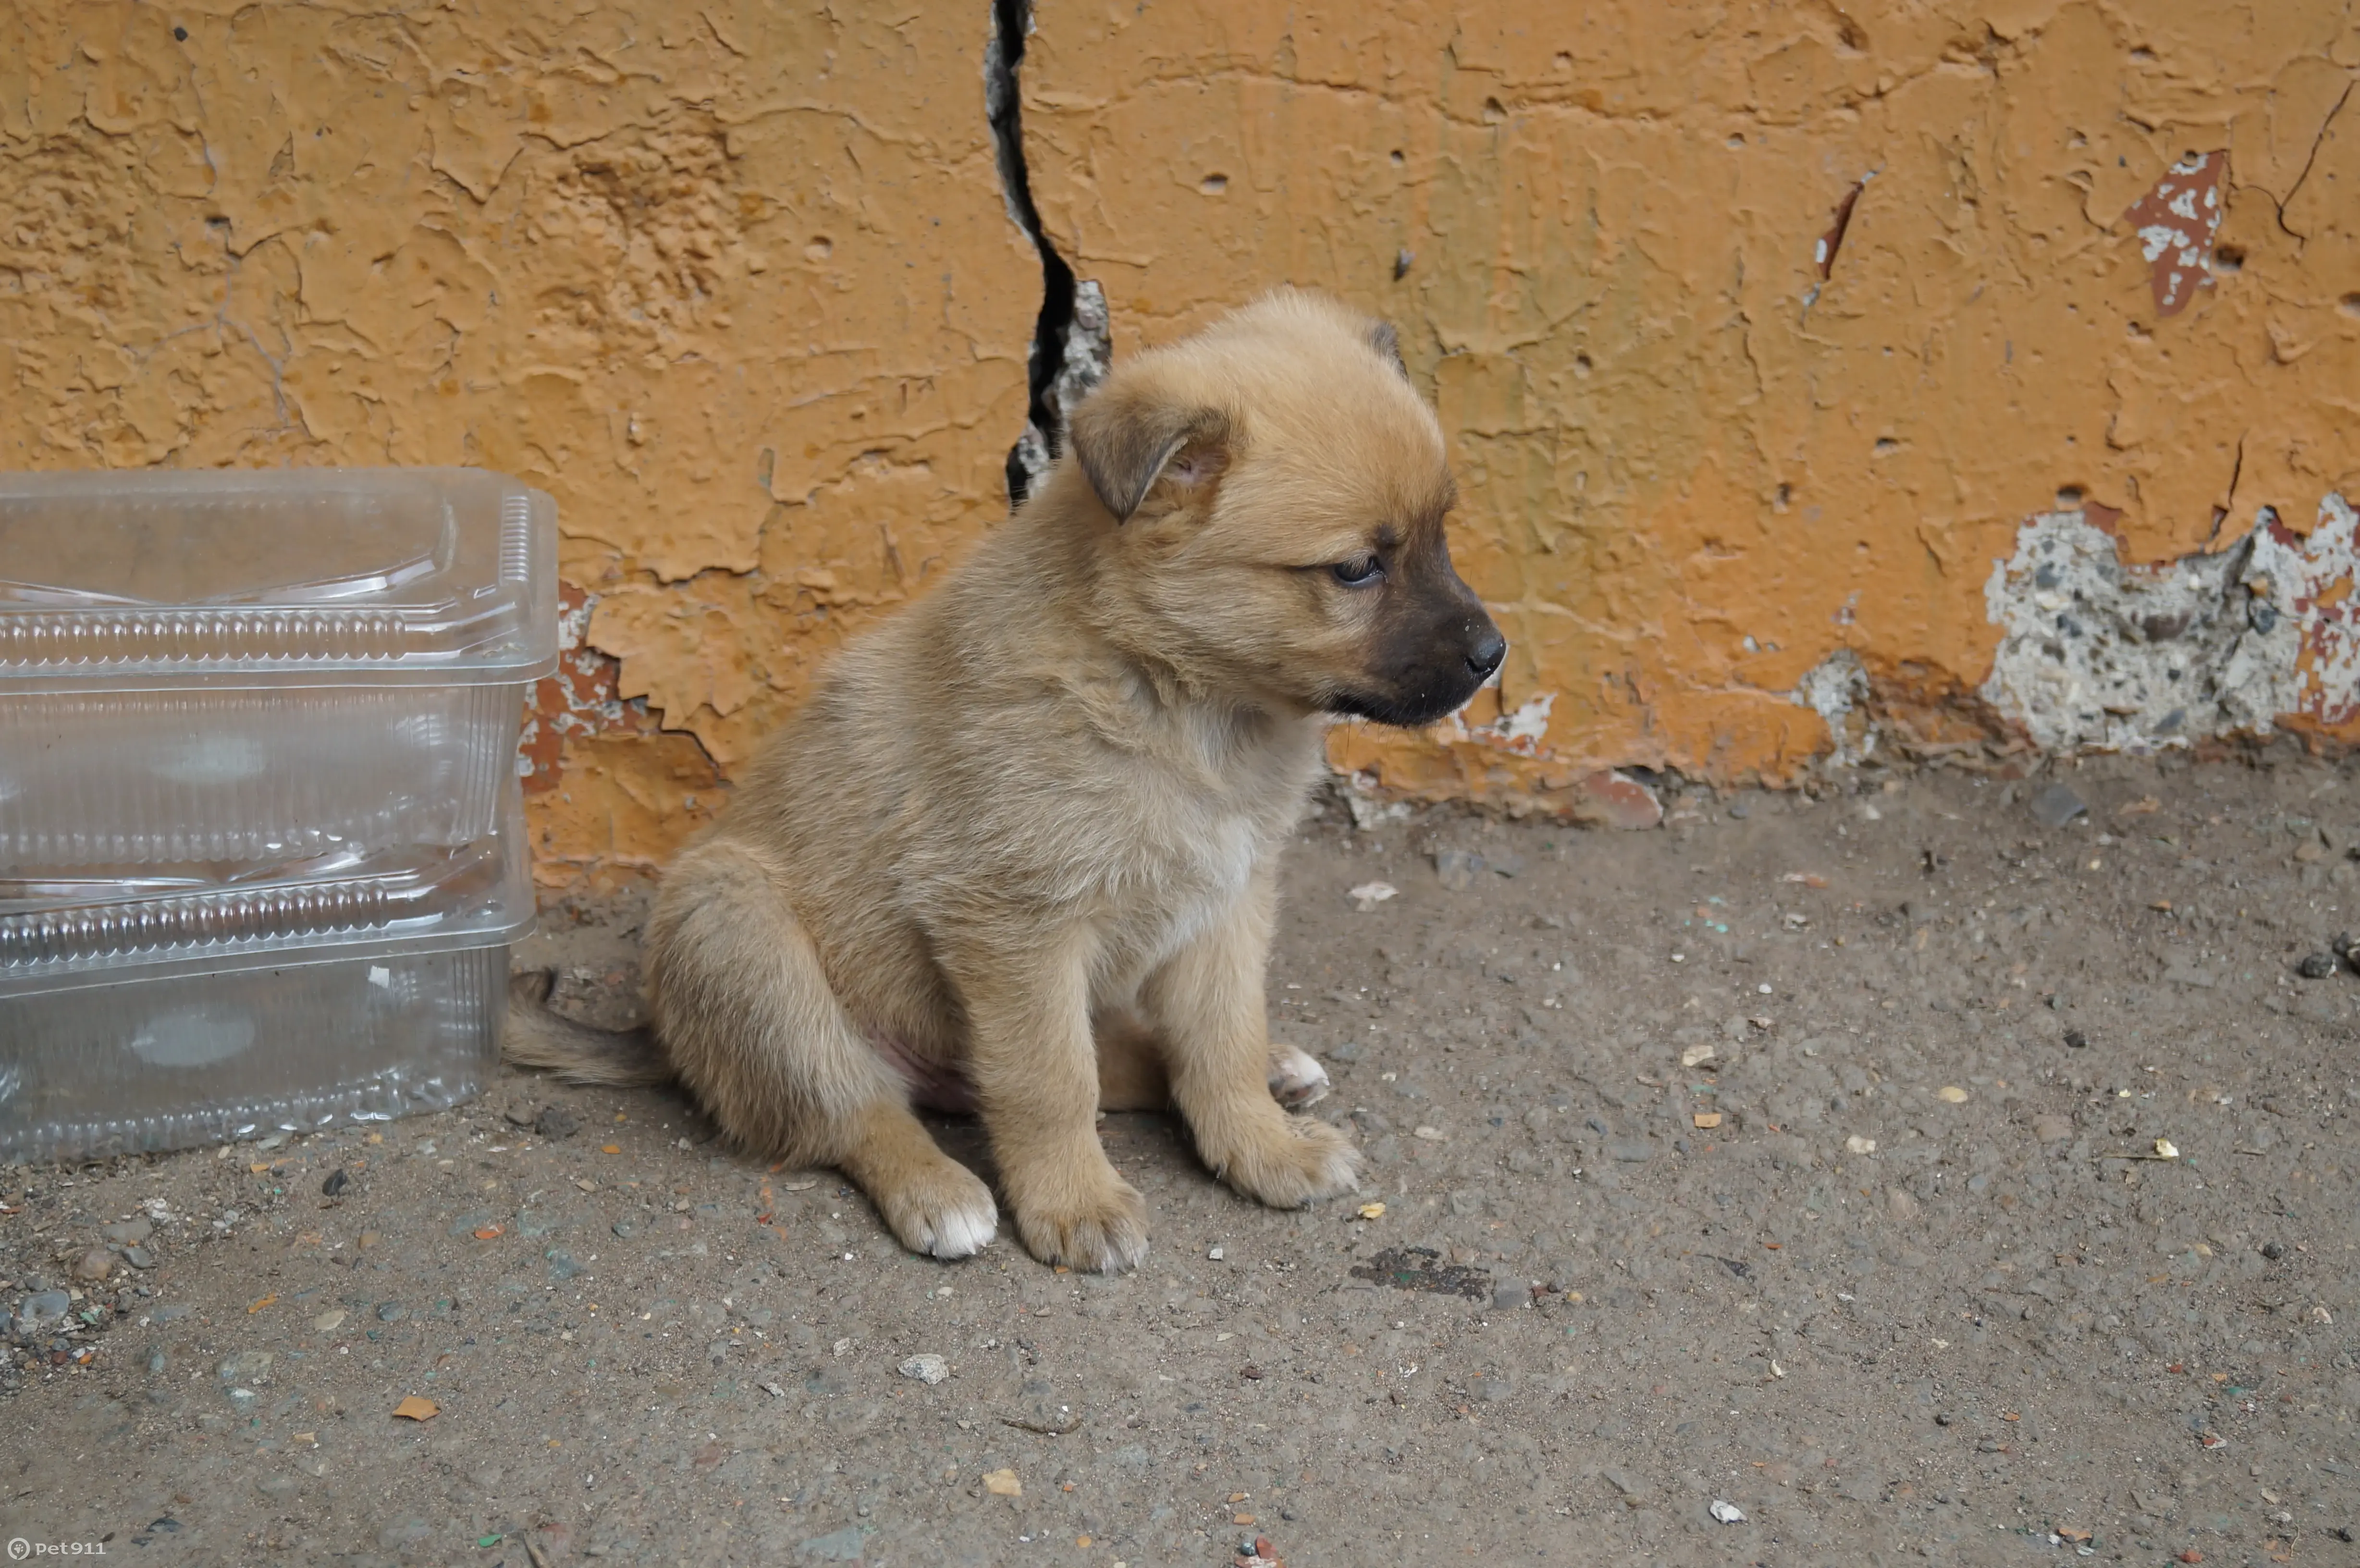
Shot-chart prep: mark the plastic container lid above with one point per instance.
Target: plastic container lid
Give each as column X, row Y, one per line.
column 333, row 576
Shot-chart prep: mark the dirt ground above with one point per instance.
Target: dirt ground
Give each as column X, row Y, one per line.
column 2025, row 1233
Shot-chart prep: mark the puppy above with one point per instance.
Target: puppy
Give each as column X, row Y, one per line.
column 1019, row 851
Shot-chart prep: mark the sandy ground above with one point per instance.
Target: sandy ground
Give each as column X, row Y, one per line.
column 1935, row 1283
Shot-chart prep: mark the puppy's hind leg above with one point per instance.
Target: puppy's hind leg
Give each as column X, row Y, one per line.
column 745, row 1015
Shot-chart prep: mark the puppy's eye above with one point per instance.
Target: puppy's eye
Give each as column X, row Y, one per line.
column 1367, row 569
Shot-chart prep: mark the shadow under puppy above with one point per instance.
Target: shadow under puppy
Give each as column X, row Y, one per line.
column 1018, row 853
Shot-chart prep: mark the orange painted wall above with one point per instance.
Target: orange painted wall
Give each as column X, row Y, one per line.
column 738, row 285
column 1695, row 467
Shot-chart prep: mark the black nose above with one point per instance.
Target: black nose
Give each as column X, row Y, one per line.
column 1485, row 656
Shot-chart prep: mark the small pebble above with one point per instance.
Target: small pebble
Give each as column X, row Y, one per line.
column 41, row 1309
column 1727, row 1512
column 138, row 1258
column 556, row 1122
column 2057, row 805
column 95, row 1264
column 927, row 1369
column 338, row 1180
column 2317, row 966
column 391, row 1311
column 2273, row 1251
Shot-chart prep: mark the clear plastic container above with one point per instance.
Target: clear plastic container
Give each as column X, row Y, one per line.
column 159, row 1012
column 203, row 668
column 261, row 834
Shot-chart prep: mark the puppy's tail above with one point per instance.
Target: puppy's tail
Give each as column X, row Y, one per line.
column 537, row 1038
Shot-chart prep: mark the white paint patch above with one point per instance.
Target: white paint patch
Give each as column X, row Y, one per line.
column 1834, row 688
column 1523, row 728
column 2098, row 655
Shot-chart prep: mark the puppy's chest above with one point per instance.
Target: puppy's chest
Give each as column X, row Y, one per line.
column 1182, row 884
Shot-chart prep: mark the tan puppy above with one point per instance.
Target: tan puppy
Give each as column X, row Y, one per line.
column 1019, row 849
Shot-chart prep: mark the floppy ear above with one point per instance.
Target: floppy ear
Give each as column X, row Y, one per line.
column 1124, row 442
column 1387, row 343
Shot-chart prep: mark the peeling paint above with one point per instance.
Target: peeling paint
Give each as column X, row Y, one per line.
column 2309, row 582
column 1837, row 689
column 2175, row 222
column 1524, row 729
column 581, row 699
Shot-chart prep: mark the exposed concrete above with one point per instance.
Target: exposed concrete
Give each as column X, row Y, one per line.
column 2127, row 658
column 1837, row 689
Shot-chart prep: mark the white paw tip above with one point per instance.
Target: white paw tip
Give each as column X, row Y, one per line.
column 962, row 1233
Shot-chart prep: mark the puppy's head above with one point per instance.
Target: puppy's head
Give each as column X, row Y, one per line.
column 1271, row 495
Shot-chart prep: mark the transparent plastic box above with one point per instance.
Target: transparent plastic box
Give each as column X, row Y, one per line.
column 145, row 1014
column 208, row 668
column 261, row 834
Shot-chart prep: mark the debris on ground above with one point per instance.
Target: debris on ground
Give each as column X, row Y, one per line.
column 2057, row 805
column 927, row 1369
column 1422, row 1268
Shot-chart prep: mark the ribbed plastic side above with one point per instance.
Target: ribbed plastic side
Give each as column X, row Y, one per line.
column 249, row 776
column 216, row 920
column 516, row 538
column 179, row 1062
column 33, row 639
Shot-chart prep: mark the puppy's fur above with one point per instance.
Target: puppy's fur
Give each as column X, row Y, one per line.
column 1019, row 849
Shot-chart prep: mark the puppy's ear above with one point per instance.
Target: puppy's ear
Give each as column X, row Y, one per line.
column 1387, row 343
column 1126, row 440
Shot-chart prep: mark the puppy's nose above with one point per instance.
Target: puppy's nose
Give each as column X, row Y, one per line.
column 1488, row 651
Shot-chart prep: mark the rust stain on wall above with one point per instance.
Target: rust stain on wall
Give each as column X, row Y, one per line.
column 1742, row 431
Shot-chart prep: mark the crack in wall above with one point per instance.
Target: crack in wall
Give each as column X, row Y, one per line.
column 1071, row 346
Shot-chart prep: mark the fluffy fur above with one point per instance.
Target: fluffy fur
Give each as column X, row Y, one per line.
column 1018, row 851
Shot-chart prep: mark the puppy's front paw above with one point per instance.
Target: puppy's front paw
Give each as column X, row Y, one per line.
column 1103, row 1230
column 943, row 1209
column 1289, row 1161
column 1297, row 1080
